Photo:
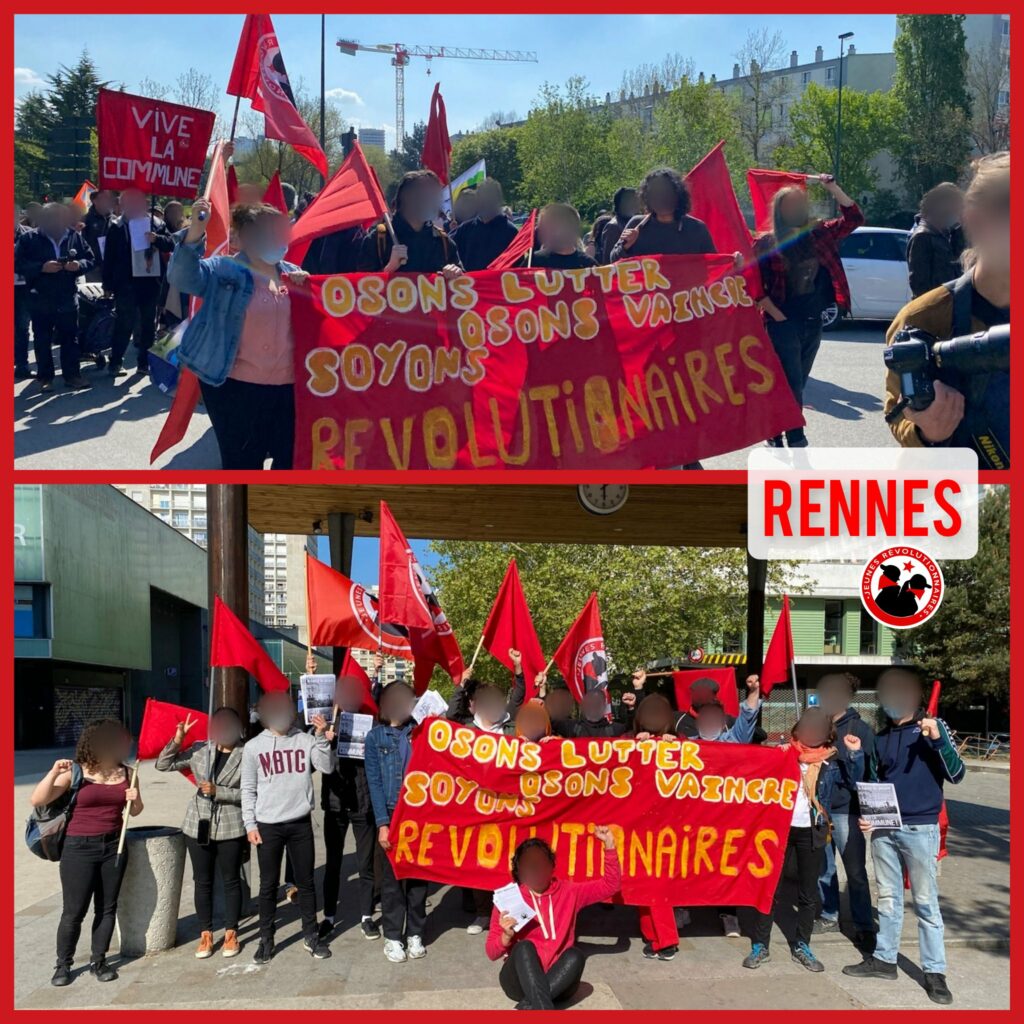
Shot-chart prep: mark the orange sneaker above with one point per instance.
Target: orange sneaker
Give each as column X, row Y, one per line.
column 231, row 945
column 205, row 947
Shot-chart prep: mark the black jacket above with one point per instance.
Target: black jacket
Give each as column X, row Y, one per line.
column 480, row 242
column 33, row 249
column 682, row 237
column 933, row 257
column 336, row 253
column 430, row 249
column 96, row 227
column 117, row 259
column 844, row 796
column 581, row 728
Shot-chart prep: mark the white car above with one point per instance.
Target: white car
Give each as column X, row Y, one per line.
column 875, row 261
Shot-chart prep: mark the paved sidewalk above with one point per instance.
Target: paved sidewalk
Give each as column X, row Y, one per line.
column 455, row 974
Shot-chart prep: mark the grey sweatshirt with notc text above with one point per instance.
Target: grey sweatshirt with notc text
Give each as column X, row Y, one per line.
column 277, row 775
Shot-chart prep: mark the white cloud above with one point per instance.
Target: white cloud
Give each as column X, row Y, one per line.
column 346, row 95
column 27, row 77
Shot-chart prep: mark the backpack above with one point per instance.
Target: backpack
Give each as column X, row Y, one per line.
column 47, row 826
column 99, row 331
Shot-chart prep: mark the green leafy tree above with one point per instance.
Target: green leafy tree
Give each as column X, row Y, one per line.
column 655, row 601
column 499, row 147
column 407, row 156
column 933, row 142
column 74, row 91
column 869, row 127
column 966, row 643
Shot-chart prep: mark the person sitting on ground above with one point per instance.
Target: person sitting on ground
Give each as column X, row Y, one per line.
column 91, row 870
column 917, row 755
column 277, row 803
column 561, row 248
column 813, row 738
column 214, row 832
column 418, row 247
column 541, row 964
column 388, row 748
column 486, row 235
column 667, row 227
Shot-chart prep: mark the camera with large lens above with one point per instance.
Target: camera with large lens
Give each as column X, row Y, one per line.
column 919, row 359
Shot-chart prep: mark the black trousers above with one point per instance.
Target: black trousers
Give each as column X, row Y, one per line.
column 55, row 326
column 336, row 826
column 808, row 867
column 252, row 422
column 297, row 838
column 90, row 872
column 22, row 319
column 796, row 343
column 403, row 903
column 134, row 313
column 523, row 978
column 223, row 856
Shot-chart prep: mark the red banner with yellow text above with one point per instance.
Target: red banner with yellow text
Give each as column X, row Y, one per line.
column 647, row 363
column 695, row 824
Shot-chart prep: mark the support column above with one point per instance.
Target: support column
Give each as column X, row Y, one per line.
column 757, row 578
column 228, row 568
column 341, row 534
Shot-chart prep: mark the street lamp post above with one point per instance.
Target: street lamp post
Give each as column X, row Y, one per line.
column 323, row 101
column 839, row 106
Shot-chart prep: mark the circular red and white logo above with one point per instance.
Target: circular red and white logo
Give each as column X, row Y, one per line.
column 697, row 654
column 272, row 70
column 901, row 587
column 590, row 666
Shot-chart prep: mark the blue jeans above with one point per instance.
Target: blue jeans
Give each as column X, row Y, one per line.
column 917, row 847
column 847, row 842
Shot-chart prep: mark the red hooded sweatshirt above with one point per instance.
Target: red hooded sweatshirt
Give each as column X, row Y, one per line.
column 553, row 930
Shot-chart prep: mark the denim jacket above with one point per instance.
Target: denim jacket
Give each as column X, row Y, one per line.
column 387, row 754
column 224, row 284
column 837, row 772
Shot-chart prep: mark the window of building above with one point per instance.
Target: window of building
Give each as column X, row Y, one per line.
column 163, row 502
column 181, row 501
column 805, row 77
column 1004, row 98
column 868, row 633
column 200, row 538
column 199, row 501
column 830, row 74
column 179, row 520
column 137, row 496
column 30, row 611
column 833, row 627
column 732, row 642
column 199, row 521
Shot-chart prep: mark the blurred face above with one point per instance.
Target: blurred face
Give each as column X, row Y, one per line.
column 276, row 711
column 488, row 706
column 558, row 232
column 654, row 716
column 396, row 705
column 899, row 693
column 794, row 211
column 988, row 231
column 465, row 206
column 103, row 203
column 133, row 203
column 535, row 869
column 348, row 694
column 174, row 215
column 531, row 723
column 814, row 728
column 489, row 199
column 559, row 703
column 266, row 238
column 593, row 705
column 225, row 729
column 630, row 205
column 710, row 722
column 421, row 201
column 834, row 694
column 51, row 221
column 112, row 746
column 661, row 196
column 949, row 212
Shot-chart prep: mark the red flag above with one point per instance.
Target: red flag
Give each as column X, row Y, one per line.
column 159, row 725
column 218, row 227
column 437, row 147
column 933, row 711
column 779, row 660
column 351, row 669
column 581, row 656
column 352, row 197
column 274, row 194
column 726, row 679
column 509, row 624
column 232, row 180
column 259, row 74
column 407, row 598
column 518, row 247
column 763, row 185
column 233, row 646
column 344, row 614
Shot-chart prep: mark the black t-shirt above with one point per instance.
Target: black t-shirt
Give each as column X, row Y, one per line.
column 563, row 261
column 989, row 314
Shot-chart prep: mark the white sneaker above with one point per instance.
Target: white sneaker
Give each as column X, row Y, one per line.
column 682, row 916
column 415, row 948
column 394, row 951
column 478, row 925
column 730, row 925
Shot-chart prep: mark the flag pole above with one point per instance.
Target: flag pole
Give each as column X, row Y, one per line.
column 796, row 696
column 127, row 811
column 234, row 118
column 476, row 652
column 323, row 102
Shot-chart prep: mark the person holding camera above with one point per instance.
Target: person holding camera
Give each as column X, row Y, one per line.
column 966, row 405
column 51, row 259
column 214, row 833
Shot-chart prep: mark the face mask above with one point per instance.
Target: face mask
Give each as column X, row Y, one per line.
column 708, row 735
column 272, row 253
column 895, row 712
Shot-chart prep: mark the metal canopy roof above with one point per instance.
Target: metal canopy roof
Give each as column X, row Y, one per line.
column 692, row 515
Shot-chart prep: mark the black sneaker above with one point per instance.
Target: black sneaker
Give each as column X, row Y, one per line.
column 115, row 369
column 825, row 924
column 668, row 953
column 264, row 952
column 325, row 929
column 369, row 928
column 649, row 952
column 774, row 442
column 102, row 971
column 61, row 976
column 869, row 967
column 937, row 989
column 316, row 949
column 802, row 955
column 142, row 365
column 23, row 373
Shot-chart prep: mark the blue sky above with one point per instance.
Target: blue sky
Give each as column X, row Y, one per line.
column 366, row 557
column 128, row 48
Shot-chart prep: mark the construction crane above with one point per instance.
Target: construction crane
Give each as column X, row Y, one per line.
column 401, row 55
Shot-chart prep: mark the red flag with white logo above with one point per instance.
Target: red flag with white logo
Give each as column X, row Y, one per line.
column 581, row 656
